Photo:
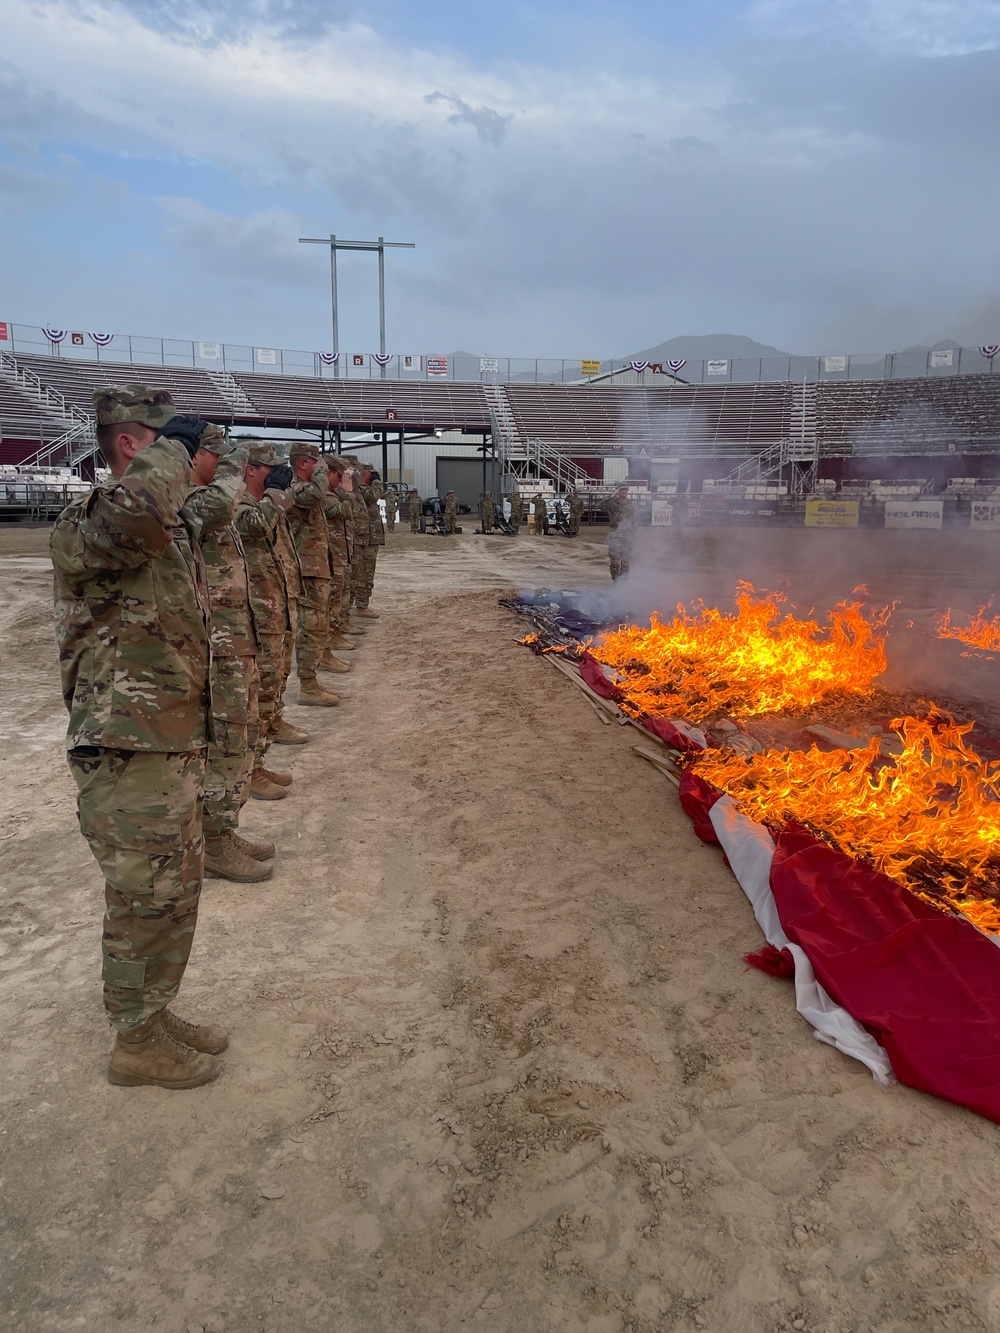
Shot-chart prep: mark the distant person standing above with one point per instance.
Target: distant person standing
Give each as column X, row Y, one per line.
column 621, row 530
column 487, row 512
column 539, row 505
column 416, row 504
column 575, row 512
column 450, row 512
column 516, row 512
column 391, row 509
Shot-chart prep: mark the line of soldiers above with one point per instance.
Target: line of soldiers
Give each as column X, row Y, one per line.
column 488, row 512
column 182, row 585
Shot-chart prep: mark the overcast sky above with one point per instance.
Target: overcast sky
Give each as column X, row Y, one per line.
column 581, row 178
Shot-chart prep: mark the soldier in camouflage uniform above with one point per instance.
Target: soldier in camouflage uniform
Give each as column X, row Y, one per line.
column 278, row 488
column 257, row 522
column 539, row 504
column 312, row 545
column 337, row 508
column 131, row 605
column 218, row 470
column 621, row 530
column 516, row 512
column 487, row 512
column 391, row 509
column 575, row 512
column 371, row 493
column 416, row 504
column 450, row 512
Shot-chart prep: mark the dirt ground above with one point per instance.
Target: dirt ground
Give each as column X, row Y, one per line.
column 496, row 1061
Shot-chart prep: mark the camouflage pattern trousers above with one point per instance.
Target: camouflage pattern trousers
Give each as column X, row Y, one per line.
column 235, row 724
column 619, row 554
column 141, row 814
column 363, row 574
column 340, row 585
column 286, row 669
column 271, row 654
column 314, row 626
column 415, row 521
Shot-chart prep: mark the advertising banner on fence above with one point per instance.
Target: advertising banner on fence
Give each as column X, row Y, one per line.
column 831, row 513
column 985, row 516
column 751, row 511
column 590, row 367
column 663, row 514
column 4, row 331
column 914, row 513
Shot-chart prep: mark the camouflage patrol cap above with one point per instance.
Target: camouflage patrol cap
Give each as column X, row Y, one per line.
column 118, row 403
column 303, row 449
column 215, row 440
column 261, row 453
column 337, row 464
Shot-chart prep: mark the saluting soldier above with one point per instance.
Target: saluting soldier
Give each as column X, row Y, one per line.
column 487, row 512
column 337, row 508
column 516, row 512
column 131, row 606
column 278, row 490
column 257, row 521
column 539, row 504
column 391, row 509
column 371, row 493
column 416, row 504
column 312, row 545
column 450, row 512
column 621, row 531
column 575, row 512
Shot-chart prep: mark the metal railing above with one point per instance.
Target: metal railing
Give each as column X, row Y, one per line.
column 230, row 358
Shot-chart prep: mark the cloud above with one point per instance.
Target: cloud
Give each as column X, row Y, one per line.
column 488, row 124
column 21, row 189
column 917, row 27
column 262, row 247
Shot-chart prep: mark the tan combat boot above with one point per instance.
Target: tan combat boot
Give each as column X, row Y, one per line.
column 208, row 1038
column 225, row 859
column 341, row 641
column 259, row 848
column 353, row 628
column 261, row 789
column 312, row 694
column 281, row 779
column 283, row 733
column 330, row 663
column 150, row 1056
column 366, row 613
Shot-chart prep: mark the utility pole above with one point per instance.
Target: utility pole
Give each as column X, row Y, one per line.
column 379, row 247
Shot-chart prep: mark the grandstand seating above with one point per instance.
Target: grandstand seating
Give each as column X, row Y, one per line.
column 287, row 400
column 23, row 420
column 193, row 390
column 920, row 416
column 707, row 418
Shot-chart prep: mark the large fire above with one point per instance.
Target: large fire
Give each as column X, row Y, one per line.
column 930, row 818
column 758, row 659
column 978, row 633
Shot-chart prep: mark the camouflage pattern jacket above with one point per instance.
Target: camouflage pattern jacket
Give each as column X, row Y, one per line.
column 132, row 610
column 307, row 523
column 348, row 521
column 233, row 631
column 516, row 509
column 257, row 523
column 576, row 507
column 391, row 504
column 284, row 549
column 621, row 518
column 451, row 505
column 338, row 511
column 362, row 523
column 376, row 529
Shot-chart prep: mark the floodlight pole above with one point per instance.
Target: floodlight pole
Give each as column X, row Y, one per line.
column 380, row 246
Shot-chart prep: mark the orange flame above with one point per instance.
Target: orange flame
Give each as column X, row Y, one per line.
column 930, row 820
column 979, row 632
column 757, row 660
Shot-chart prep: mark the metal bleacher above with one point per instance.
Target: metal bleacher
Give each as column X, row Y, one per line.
column 363, row 405
column 909, row 417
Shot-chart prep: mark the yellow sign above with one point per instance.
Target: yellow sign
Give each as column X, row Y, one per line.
column 590, row 367
column 831, row 513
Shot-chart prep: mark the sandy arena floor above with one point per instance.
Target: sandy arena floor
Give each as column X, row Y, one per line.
column 495, row 1058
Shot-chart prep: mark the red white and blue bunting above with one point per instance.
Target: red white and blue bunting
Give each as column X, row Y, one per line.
column 100, row 339
column 55, row 336
column 989, row 350
column 638, row 366
column 329, row 358
column 381, row 358
column 676, row 364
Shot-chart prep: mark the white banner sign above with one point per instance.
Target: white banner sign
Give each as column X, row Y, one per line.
column 663, row 514
column 208, row 351
column 939, row 359
column 266, row 356
column 986, row 515
column 489, row 365
column 716, row 367
column 834, row 365
column 914, row 513
column 413, row 363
